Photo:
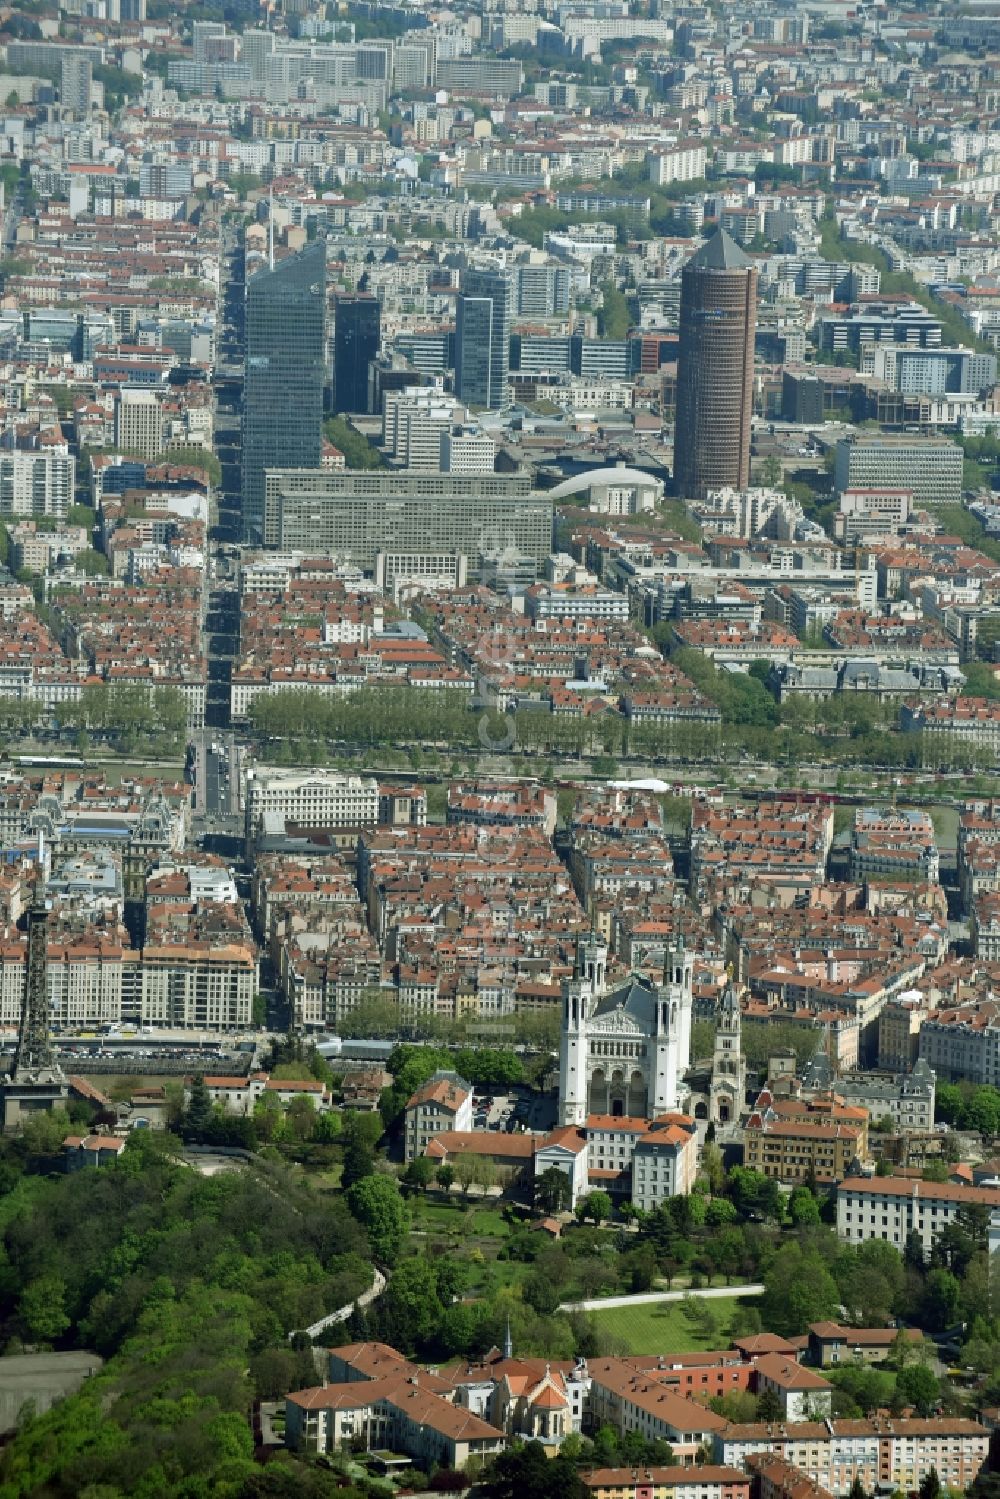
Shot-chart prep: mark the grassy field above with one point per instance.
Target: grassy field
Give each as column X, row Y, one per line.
column 327, row 1180
column 457, row 1219
column 475, row 1232
column 663, row 1328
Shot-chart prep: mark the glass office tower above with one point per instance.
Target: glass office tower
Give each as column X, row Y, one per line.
column 356, row 342
column 482, row 339
column 284, row 374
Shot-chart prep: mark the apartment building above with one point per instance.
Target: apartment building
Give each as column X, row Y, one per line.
column 574, row 601
column 962, row 1042
column 773, row 1478
column 784, row 847
column 322, row 994
column 884, row 1453
column 198, row 983
column 899, row 1031
column 443, row 1103
column 802, row 1393
column 684, row 162
column 39, row 550
column 797, row 1150
column 985, row 927
column 37, row 483
column 498, row 805
column 664, row 1162
column 624, row 1399
column 891, row 1208
column 894, row 845
column 963, row 721
column 139, row 423
column 705, row 1482
column 92, row 978
column 542, row 291
column 906, row 1098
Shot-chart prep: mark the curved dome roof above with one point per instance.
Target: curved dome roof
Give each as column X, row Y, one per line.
column 604, row 476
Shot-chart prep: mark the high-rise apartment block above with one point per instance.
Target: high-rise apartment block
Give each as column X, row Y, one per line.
column 35, row 483
column 284, row 376
column 356, row 340
column 715, row 371
column 542, row 291
column 139, row 423
column 76, row 83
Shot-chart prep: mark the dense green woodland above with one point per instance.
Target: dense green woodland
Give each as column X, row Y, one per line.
column 189, row 1287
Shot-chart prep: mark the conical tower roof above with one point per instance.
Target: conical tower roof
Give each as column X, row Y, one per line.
column 720, row 253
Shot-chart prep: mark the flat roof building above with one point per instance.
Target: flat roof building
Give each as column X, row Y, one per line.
column 929, row 468
column 356, row 514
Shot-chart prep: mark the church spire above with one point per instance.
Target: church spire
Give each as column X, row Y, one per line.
column 508, row 1342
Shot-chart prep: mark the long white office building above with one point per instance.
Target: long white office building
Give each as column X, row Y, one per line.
column 310, row 798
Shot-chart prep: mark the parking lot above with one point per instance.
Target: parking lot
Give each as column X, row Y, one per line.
column 517, row 1110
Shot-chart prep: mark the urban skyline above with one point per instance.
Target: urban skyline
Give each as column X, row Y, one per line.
column 499, row 750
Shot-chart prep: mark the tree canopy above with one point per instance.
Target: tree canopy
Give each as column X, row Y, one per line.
column 189, row 1287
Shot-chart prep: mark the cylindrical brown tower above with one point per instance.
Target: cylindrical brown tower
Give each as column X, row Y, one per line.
column 715, row 369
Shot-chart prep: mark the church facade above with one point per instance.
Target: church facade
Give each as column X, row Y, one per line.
column 624, row 1052
column 717, row 1090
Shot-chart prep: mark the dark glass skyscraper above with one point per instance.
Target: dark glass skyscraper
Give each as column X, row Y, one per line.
column 482, row 339
column 284, row 374
column 715, row 369
column 356, row 340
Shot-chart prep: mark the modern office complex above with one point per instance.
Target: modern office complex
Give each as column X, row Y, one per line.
column 715, row 371
column 353, row 515
column 482, row 339
column 283, row 383
column 356, row 339
column 930, row 468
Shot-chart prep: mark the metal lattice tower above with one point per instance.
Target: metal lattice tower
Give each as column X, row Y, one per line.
column 34, row 1055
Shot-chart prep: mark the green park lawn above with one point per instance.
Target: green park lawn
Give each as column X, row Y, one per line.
column 662, row 1327
column 457, row 1218
column 475, row 1232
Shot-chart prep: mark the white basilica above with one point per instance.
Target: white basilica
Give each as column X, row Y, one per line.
column 624, row 1052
